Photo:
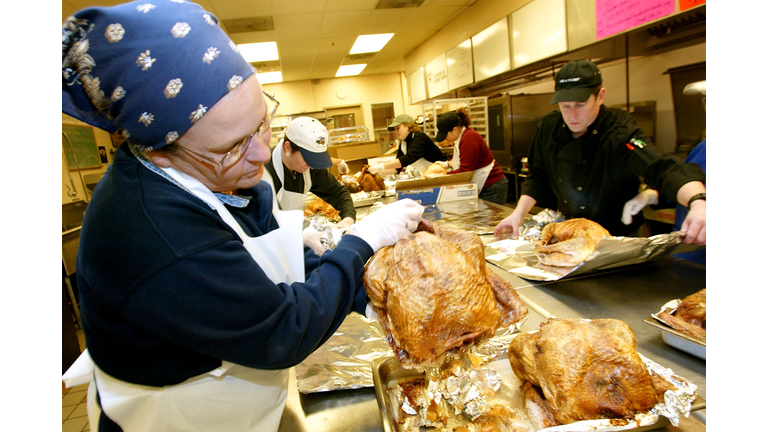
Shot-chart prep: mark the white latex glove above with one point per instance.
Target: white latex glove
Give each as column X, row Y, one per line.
column 312, row 239
column 387, row 225
column 376, row 169
column 636, row 204
column 444, row 164
column 343, row 168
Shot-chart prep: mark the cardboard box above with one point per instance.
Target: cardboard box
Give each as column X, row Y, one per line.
column 354, row 154
column 447, row 188
column 354, row 151
column 440, row 193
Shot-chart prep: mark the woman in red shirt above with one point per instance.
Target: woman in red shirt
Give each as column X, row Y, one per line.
column 471, row 153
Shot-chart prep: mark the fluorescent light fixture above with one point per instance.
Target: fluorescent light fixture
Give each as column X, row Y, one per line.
column 349, row 70
column 258, row 52
column 269, row 77
column 370, row 43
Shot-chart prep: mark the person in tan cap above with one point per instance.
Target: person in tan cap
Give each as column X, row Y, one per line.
column 416, row 148
column 587, row 160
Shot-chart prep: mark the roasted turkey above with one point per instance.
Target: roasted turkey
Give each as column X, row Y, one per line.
column 433, row 294
column 585, row 370
column 434, row 170
column 568, row 243
column 369, row 182
column 690, row 318
column 319, row 206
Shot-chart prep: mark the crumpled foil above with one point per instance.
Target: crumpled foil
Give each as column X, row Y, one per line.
column 332, row 235
column 518, row 256
column 344, row 360
column 530, row 230
column 465, row 390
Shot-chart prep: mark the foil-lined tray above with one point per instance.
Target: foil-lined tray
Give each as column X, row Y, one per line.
column 518, row 256
column 399, row 415
column 675, row 338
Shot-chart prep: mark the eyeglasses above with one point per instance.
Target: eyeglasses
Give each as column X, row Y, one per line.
column 236, row 152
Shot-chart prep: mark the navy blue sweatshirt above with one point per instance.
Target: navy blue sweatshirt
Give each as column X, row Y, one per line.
column 167, row 290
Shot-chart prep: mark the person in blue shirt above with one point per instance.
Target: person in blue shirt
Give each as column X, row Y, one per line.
column 195, row 298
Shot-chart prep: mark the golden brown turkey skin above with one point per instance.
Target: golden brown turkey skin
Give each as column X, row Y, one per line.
column 568, row 243
column 693, row 309
column 586, row 369
column 433, row 294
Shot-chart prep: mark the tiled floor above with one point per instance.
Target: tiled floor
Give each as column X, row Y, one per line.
column 74, row 417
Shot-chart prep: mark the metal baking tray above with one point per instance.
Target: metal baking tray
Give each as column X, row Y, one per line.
column 387, row 371
column 679, row 340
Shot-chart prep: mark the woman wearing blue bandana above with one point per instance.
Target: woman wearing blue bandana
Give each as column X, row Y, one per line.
column 194, row 297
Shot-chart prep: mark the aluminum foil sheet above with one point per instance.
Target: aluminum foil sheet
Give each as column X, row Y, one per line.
column 518, row 256
column 344, row 361
column 331, row 234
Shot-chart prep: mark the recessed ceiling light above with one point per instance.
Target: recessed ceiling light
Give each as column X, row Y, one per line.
column 370, row 43
column 349, row 70
column 261, row 51
column 269, row 77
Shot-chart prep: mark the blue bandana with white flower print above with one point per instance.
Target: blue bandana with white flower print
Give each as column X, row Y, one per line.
column 152, row 68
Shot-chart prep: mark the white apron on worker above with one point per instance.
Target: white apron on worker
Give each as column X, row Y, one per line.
column 231, row 397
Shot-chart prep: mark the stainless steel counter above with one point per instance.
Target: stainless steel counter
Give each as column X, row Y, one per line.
column 629, row 294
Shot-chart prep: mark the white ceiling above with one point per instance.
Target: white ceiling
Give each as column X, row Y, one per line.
column 314, row 36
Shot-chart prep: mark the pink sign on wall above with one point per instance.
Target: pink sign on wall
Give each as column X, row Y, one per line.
column 614, row 16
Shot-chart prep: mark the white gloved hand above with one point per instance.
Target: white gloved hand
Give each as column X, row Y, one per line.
column 636, row 204
column 312, row 239
column 376, row 169
column 444, row 164
column 343, row 168
column 387, row 225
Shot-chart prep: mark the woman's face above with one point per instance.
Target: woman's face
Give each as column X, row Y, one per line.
column 294, row 161
column 453, row 135
column 402, row 131
column 233, row 118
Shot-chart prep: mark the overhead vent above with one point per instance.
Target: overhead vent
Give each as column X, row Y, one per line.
column 266, row 66
column 363, row 56
column 254, row 24
column 398, row 4
column 683, row 21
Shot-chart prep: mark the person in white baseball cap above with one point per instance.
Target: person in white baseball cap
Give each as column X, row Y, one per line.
column 299, row 165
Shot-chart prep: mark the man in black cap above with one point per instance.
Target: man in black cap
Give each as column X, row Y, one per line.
column 588, row 160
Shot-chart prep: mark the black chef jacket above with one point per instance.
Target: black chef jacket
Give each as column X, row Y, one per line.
column 594, row 175
column 419, row 145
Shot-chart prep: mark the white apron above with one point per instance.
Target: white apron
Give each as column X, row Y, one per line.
column 421, row 165
column 286, row 200
column 230, row 398
column 480, row 175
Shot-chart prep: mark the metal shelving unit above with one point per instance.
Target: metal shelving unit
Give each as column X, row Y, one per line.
column 477, row 107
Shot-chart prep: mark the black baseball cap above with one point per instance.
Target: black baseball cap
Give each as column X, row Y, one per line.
column 575, row 81
column 445, row 123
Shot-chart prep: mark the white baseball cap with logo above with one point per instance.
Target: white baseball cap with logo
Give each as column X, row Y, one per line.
column 312, row 139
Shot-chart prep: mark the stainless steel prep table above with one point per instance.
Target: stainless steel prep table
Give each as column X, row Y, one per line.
column 630, row 294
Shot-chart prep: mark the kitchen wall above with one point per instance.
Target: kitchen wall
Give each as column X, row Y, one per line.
column 316, row 95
